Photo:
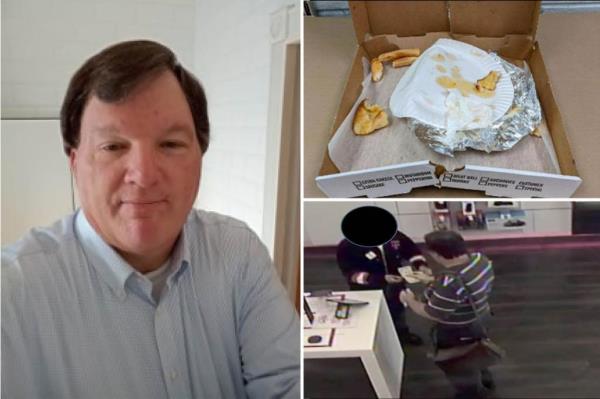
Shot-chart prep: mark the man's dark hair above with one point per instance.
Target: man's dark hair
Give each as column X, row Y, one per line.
column 448, row 244
column 115, row 72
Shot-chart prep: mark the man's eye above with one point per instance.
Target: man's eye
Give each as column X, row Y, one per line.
column 112, row 147
column 172, row 144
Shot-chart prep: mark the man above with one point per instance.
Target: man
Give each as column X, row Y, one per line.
column 449, row 307
column 367, row 268
column 136, row 295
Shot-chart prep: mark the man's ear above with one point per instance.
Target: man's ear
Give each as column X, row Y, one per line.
column 73, row 160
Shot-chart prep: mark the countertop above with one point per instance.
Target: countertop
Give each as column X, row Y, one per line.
column 570, row 44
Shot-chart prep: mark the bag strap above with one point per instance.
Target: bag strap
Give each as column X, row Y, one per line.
column 469, row 298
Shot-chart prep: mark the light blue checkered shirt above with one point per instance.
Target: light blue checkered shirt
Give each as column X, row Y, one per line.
column 79, row 322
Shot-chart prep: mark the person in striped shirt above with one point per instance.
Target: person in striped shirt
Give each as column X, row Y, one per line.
column 446, row 302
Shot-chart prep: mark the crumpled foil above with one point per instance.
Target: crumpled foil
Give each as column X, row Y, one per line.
column 522, row 118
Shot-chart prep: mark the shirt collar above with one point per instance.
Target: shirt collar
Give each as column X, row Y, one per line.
column 110, row 265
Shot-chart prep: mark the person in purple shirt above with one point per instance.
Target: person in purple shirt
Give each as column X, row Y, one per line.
column 375, row 267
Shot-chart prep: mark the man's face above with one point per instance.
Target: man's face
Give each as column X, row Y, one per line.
column 137, row 167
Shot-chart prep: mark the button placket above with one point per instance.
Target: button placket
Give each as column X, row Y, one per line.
column 167, row 347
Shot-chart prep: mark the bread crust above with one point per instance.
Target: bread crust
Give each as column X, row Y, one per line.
column 376, row 70
column 488, row 83
column 404, row 61
column 392, row 55
column 368, row 118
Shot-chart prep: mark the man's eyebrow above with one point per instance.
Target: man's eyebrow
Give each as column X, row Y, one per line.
column 174, row 128
column 180, row 127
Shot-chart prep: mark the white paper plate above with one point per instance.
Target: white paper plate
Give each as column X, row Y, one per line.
column 419, row 96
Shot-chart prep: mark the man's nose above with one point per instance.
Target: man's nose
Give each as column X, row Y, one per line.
column 142, row 167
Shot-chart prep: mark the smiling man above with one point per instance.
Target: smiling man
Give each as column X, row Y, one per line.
column 137, row 295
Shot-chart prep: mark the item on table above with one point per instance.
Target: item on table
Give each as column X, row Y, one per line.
column 376, row 70
column 315, row 339
column 466, row 88
column 404, row 61
column 368, row 118
column 392, row 55
column 488, row 83
column 408, row 274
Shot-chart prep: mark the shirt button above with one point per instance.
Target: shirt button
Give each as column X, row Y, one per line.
column 173, row 375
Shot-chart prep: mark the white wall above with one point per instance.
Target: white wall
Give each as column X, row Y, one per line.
column 322, row 220
column 550, row 216
column 232, row 60
column 36, row 182
column 44, row 42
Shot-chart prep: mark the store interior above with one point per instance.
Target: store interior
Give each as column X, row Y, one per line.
column 545, row 298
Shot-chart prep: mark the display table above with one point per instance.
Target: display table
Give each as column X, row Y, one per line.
column 372, row 338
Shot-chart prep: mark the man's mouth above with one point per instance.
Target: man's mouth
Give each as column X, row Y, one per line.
column 142, row 202
column 143, row 206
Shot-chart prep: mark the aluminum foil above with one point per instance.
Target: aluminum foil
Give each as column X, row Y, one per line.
column 522, row 118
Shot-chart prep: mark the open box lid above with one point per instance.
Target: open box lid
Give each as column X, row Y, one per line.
column 416, row 18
